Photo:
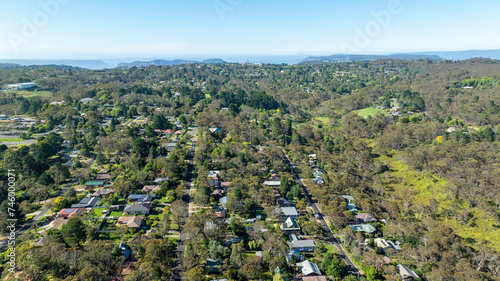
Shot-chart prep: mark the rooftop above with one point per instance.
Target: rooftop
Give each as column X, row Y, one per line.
column 368, row 228
column 289, row 211
column 309, row 268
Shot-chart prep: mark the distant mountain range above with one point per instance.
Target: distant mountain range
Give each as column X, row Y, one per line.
column 167, row 62
column 464, row 55
column 452, row 55
column 90, row 64
column 337, row 58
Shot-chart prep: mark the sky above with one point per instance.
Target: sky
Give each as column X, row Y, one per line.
column 195, row 29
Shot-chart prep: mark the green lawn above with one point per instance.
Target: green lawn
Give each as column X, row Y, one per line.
column 331, row 248
column 369, row 111
column 116, row 214
column 98, row 212
column 10, row 139
column 29, row 94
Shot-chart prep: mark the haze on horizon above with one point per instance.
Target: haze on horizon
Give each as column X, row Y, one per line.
column 66, row 29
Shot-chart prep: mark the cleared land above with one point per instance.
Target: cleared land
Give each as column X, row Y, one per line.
column 369, row 111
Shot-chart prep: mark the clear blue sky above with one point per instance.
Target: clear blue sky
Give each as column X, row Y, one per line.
column 90, row 29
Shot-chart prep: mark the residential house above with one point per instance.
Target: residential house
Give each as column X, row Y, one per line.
column 132, row 222
column 160, row 180
column 223, row 201
column 213, row 179
column 293, row 253
column 225, row 185
column 272, row 183
column 387, row 245
column 103, row 192
column 218, row 192
column 314, row 278
column 94, row 184
column 351, row 207
column 406, row 273
column 137, row 209
column 367, row 228
column 283, row 202
column 151, row 188
column 382, row 244
column 348, row 198
column 68, row 213
column 232, row 240
column 290, row 226
column 171, row 146
column 290, row 212
column 303, row 245
column 319, row 180
column 103, row 171
column 141, row 198
column 87, row 202
column 126, row 251
column 213, row 265
column 214, row 130
column 364, row 218
column 103, row 177
column 317, row 173
column 309, row 268
column 86, row 100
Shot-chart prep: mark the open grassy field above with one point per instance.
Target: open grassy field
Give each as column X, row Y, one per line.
column 369, row 111
column 30, row 94
column 10, row 139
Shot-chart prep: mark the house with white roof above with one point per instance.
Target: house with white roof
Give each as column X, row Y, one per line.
column 309, row 268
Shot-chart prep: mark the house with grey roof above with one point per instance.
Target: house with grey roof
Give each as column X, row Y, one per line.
column 303, row 245
column 290, row 212
column 293, row 253
column 406, row 273
column 87, row 202
column 367, row 228
column 140, row 198
column 137, row 209
column 272, row 183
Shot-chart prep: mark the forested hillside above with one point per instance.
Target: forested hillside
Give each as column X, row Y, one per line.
column 415, row 143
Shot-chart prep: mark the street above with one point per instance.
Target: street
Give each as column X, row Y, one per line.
column 177, row 273
column 342, row 253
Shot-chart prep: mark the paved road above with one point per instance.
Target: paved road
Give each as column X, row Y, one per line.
column 177, row 273
column 27, row 226
column 342, row 253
